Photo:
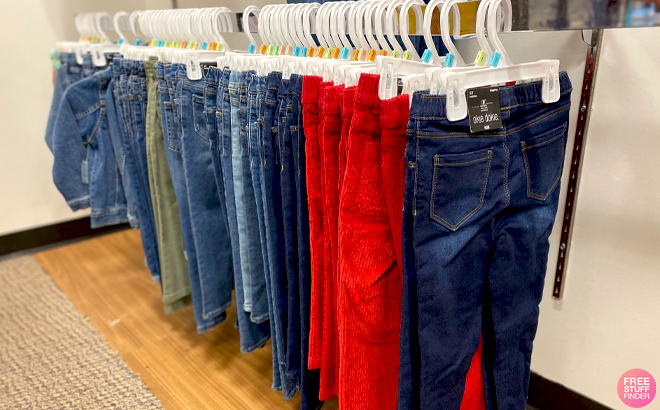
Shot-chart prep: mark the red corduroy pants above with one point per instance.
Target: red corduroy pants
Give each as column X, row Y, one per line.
column 369, row 277
column 310, row 103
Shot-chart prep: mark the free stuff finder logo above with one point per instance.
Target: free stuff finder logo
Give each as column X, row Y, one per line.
column 636, row 388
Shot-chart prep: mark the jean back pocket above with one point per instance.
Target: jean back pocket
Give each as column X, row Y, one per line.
column 459, row 186
column 544, row 161
column 199, row 117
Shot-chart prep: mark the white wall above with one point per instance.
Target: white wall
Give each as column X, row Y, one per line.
column 606, row 322
column 30, row 28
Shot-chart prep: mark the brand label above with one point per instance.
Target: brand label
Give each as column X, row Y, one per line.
column 484, row 109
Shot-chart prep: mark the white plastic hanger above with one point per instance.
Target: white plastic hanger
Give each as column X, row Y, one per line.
column 428, row 21
column 416, row 5
column 458, row 83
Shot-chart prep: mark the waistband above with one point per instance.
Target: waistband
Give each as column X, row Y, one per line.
column 181, row 71
column 347, row 98
column 367, row 90
column 257, row 85
column 273, row 80
column 150, row 68
column 433, row 106
column 283, row 90
column 212, row 78
column 160, row 70
column 87, row 61
column 171, row 71
column 224, row 79
column 68, row 59
column 310, row 87
column 394, row 112
column 331, row 103
column 235, row 80
column 296, row 84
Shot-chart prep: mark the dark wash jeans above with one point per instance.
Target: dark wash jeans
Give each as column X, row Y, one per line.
column 309, row 379
column 478, row 211
column 289, row 219
column 272, row 201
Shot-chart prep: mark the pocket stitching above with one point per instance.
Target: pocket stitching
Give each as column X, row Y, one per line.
column 196, row 97
column 524, row 150
column 446, row 223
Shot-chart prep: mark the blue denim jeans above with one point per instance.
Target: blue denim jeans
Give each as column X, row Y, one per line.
column 119, row 135
column 211, row 282
column 481, row 210
column 272, row 202
column 237, row 92
column 225, row 172
column 139, row 147
column 289, row 220
column 252, row 335
column 256, row 89
column 309, row 379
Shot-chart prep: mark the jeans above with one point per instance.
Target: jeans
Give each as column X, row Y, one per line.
column 137, row 147
column 119, row 135
column 309, row 379
column 479, row 211
column 256, row 89
column 174, row 76
column 211, row 283
column 238, row 93
column 270, row 187
column 289, row 220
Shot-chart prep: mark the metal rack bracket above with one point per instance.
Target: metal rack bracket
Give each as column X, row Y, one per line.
column 576, row 158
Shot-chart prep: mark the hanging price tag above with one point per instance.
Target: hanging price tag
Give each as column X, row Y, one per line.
column 484, row 109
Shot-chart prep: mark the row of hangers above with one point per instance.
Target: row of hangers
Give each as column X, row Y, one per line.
column 351, row 38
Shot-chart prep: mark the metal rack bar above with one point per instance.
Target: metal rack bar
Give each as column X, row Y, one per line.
column 590, row 68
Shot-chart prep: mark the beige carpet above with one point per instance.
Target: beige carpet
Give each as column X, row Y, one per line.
column 50, row 356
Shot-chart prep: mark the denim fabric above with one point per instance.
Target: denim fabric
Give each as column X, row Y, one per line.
column 272, row 201
column 224, row 173
column 211, row 283
column 88, row 67
column 119, row 135
column 68, row 73
column 289, row 220
column 85, row 169
column 256, row 89
column 174, row 76
column 483, row 207
column 309, row 379
column 236, row 82
column 137, row 149
column 259, row 87
column 175, row 279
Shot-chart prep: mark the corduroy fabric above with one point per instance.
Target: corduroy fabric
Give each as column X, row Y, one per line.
column 310, row 103
column 370, row 284
column 347, row 97
column 330, row 136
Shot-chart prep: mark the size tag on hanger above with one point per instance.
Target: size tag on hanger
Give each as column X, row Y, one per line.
column 484, row 109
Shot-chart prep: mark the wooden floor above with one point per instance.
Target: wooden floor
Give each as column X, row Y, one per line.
column 107, row 280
